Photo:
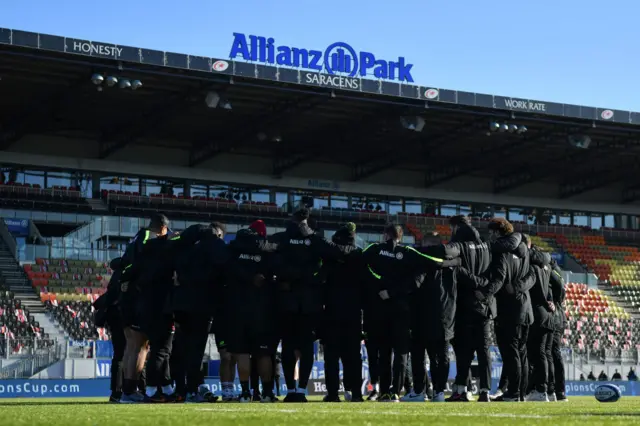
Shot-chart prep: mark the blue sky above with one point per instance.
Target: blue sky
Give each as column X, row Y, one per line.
column 573, row 51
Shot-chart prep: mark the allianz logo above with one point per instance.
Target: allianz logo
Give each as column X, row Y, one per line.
column 306, row 242
column 256, row 258
column 386, row 253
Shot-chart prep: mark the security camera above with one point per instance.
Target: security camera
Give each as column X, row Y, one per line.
column 136, row 84
column 97, row 79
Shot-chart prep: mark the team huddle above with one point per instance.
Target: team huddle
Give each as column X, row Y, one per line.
column 169, row 291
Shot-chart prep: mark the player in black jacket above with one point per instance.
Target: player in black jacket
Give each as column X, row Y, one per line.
column 301, row 252
column 556, row 383
column 147, row 271
column 541, row 333
column 199, row 265
column 397, row 270
column 107, row 314
column 252, row 293
column 342, row 319
column 509, row 280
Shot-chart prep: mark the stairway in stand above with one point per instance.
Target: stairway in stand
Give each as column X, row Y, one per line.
column 98, row 206
column 17, row 281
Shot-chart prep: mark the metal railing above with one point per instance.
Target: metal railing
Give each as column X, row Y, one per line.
column 37, row 359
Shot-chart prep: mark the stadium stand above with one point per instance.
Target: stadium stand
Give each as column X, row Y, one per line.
column 68, row 287
column 32, row 197
column 19, row 331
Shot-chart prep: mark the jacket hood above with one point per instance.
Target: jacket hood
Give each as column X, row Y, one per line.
column 115, row 263
column 467, row 234
column 522, row 251
column 508, row 244
column 539, row 258
column 246, row 234
column 302, row 229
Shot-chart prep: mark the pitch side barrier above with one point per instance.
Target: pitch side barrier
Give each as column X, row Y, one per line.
column 339, row 66
column 42, row 388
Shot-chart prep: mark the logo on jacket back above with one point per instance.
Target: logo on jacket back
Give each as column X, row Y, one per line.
column 386, row 253
column 306, row 242
column 473, row 246
column 256, row 258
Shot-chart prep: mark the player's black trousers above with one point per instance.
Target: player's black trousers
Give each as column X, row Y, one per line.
column 556, row 380
column 418, row 367
column 298, row 334
column 192, row 340
column 160, row 334
column 119, row 342
column 373, row 356
column 512, row 342
column 438, row 350
column 539, row 354
column 393, row 339
column 473, row 337
column 342, row 342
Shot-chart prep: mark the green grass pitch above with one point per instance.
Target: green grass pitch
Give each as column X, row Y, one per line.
column 90, row 411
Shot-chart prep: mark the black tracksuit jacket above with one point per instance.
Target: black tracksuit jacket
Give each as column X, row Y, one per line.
column 476, row 257
column 509, row 280
column 199, row 258
column 301, row 254
column 398, row 270
column 147, row 274
column 540, row 292
column 558, row 291
column 246, row 261
column 345, row 285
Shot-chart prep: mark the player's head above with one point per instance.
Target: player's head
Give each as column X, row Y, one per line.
column 456, row 222
column 301, row 215
column 499, row 227
column 218, row 229
column 159, row 224
column 393, row 232
column 259, row 228
column 526, row 238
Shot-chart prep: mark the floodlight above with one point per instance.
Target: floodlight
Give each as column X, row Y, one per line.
column 97, row 79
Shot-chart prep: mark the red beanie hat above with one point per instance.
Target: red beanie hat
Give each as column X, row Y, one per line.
column 259, row 227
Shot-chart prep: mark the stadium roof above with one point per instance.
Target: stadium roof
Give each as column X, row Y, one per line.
column 294, row 116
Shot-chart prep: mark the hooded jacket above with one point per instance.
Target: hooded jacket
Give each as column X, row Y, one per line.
column 301, row 254
column 433, row 309
column 558, row 294
column 476, row 257
column 200, row 257
column 398, row 269
column 540, row 292
column 508, row 279
column 147, row 270
column 345, row 279
column 245, row 290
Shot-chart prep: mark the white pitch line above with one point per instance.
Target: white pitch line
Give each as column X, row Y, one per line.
column 376, row 413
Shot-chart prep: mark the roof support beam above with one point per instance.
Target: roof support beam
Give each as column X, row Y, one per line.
column 597, row 178
column 283, row 162
column 116, row 139
column 516, row 178
column 37, row 116
column 275, row 114
column 631, row 194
